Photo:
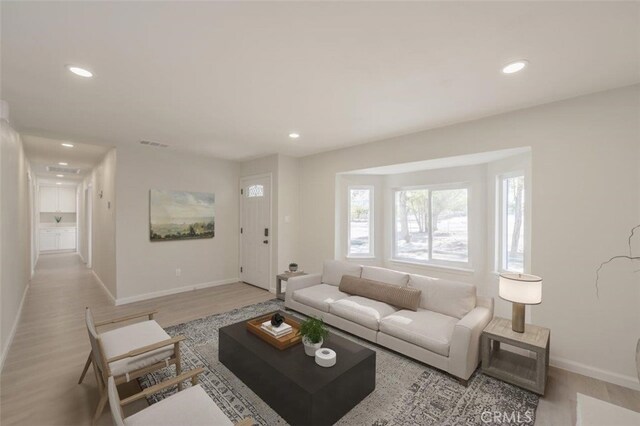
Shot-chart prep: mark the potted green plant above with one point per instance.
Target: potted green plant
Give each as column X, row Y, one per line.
column 293, row 267
column 313, row 332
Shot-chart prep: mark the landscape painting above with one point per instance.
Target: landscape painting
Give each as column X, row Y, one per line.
column 180, row 215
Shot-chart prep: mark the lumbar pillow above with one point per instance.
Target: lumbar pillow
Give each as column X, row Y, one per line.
column 452, row 298
column 333, row 270
column 401, row 297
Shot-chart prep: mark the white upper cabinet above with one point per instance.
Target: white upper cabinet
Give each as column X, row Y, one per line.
column 57, row 200
column 67, row 200
column 48, row 199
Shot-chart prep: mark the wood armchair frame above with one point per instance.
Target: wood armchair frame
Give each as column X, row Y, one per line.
column 102, row 370
column 189, row 375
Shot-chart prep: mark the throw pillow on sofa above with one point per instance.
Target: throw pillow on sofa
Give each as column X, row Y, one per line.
column 401, row 297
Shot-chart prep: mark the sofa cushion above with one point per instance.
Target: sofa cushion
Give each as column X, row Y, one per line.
column 124, row 339
column 319, row 296
column 361, row 310
column 400, row 297
column 452, row 298
column 191, row 406
column 424, row 328
column 333, row 270
column 385, row 275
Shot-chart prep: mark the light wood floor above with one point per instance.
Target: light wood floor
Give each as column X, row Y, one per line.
column 39, row 380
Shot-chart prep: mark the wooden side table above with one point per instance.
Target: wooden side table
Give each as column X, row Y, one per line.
column 285, row 277
column 528, row 373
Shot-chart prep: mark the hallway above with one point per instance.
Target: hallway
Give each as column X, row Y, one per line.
column 39, row 382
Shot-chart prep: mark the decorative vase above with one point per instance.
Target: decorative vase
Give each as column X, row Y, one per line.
column 293, row 267
column 311, row 348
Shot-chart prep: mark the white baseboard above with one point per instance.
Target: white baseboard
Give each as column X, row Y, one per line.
column 153, row 295
column 13, row 329
column 104, row 287
column 630, row 382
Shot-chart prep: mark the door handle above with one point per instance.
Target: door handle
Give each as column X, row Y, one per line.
column 266, row 241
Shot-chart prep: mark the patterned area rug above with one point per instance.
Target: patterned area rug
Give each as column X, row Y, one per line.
column 407, row 392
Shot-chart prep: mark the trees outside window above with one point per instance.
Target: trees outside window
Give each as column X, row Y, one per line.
column 512, row 217
column 360, row 238
column 431, row 224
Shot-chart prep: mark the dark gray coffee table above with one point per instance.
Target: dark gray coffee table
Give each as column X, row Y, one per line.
column 291, row 383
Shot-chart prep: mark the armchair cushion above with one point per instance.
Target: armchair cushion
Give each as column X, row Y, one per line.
column 333, row 270
column 361, row 310
column 319, row 296
column 191, row 406
column 122, row 340
column 424, row 328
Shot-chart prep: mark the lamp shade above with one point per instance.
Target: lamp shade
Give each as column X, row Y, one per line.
column 521, row 288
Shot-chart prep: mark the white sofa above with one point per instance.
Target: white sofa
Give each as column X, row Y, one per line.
column 444, row 332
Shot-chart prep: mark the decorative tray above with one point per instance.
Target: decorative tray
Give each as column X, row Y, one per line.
column 283, row 342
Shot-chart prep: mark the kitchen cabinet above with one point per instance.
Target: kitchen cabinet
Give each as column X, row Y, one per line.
column 53, row 238
column 57, row 199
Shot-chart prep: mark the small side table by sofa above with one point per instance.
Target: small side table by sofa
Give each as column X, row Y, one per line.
column 528, row 373
column 285, row 277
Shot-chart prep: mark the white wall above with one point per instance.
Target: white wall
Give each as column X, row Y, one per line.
column 103, row 247
column 585, row 197
column 288, row 212
column 148, row 269
column 15, row 237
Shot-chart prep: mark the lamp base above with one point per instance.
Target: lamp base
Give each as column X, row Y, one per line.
column 517, row 318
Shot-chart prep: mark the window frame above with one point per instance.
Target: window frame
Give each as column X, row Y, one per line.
column 371, row 253
column 501, row 225
column 453, row 264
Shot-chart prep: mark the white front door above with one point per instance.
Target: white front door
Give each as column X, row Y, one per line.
column 255, row 230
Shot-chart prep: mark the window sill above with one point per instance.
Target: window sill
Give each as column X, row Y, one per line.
column 360, row 257
column 431, row 266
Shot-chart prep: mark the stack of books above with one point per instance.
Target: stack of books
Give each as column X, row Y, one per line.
column 282, row 330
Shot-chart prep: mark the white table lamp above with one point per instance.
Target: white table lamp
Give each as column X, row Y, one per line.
column 521, row 289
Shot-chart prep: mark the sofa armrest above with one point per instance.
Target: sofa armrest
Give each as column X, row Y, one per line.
column 302, row 281
column 464, row 353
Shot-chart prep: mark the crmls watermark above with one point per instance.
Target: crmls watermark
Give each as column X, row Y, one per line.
column 507, row 417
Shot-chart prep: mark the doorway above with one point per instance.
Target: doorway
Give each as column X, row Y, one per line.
column 255, row 230
column 88, row 223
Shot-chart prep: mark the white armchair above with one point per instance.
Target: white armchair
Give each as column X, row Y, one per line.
column 190, row 407
column 128, row 352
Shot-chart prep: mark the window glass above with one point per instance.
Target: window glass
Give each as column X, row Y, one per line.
column 513, row 224
column 431, row 225
column 360, row 221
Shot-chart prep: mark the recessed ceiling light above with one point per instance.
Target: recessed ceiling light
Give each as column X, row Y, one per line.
column 80, row 71
column 515, row 66
column 67, row 145
column 294, row 135
column 58, row 183
column 62, row 163
column 59, row 175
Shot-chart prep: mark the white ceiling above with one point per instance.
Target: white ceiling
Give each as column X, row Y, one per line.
column 232, row 79
column 43, row 152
